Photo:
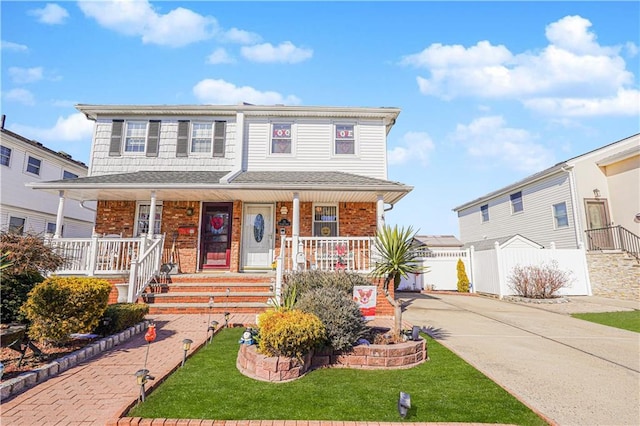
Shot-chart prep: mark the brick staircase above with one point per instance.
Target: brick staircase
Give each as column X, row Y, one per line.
column 190, row 293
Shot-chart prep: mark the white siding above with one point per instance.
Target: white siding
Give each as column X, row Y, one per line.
column 313, row 147
column 102, row 163
column 535, row 222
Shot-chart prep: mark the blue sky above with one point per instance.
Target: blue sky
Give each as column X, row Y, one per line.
column 490, row 92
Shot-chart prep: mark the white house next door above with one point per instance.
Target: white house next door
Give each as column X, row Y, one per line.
column 257, row 237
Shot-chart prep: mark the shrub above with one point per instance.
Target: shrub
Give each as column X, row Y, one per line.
column 309, row 280
column 463, row 280
column 15, row 289
column 289, row 333
column 338, row 312
column 121, row 316
column 59, row 306
column 538, row 282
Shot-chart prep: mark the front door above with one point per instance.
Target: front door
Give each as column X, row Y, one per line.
column 215, row 235
column 257, row 237
column 600, row 237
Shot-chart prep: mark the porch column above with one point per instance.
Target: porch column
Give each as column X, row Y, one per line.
column 295, row 229
column 152, row 215
column 60, row 215
column 380, row 211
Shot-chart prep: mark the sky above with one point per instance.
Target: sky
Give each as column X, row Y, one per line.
column 490, row 92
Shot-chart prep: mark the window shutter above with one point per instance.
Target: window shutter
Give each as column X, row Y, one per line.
column 153, row 138
column 182, row 147
column 116, row 138
column 218, row 138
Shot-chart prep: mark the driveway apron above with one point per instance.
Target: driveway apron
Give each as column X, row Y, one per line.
column 571, row 371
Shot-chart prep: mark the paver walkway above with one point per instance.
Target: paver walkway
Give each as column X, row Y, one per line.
column 573, row 372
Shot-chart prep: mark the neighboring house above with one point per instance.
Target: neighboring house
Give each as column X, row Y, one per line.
column 439, row 254
column 23, row 210
column 224, row 183
column 592, row 199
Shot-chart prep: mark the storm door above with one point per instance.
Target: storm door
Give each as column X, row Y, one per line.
column 257, row 237
column 215, row 235
column 599, row 232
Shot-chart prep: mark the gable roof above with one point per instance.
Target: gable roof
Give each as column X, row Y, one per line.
column 489, row 244
column 439, row 240
column 39, row 146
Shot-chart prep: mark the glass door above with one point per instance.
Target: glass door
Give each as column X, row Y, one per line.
column 215, row 238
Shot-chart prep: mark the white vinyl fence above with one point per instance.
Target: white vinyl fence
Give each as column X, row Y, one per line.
column 489, row 270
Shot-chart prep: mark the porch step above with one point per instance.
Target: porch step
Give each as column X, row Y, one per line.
column 203, row 308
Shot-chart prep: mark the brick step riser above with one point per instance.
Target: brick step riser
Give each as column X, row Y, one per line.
column 197, row 299
column 219, row 291
column 176, row 279
column 195, row 310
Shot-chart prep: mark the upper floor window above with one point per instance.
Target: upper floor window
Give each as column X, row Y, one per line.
column 136, row 136
column 5, row 155
column 325, row 221
column 560, row 216
column 516, row 202
column 16, row 225
column 33, row 165
column 69, row 175
column 345, row 139
column 142, row 219
column 51, row 228
column 202, row 138
column 484, row 210
column 281, row 138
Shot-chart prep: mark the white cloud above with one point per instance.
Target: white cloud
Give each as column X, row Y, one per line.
column 414, row 146
column 75, row 127
column 22, row 96
column 25, row 75
column 624, row 102
column 285, row 52
column 51, row 14
column 235, row 35
column 221, row 92
column 572, row 70
column 220, row 56
column 8, row 45
column 491, row 141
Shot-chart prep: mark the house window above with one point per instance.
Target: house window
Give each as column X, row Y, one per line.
column 142, row 222
column 560, row 215
column 516, row 202
column 5, row 155
column 485, row 212
column 135, row 136
column 69, row 175
column 345, row 140
column 16, row 225
column 33, row 165
column 325, row 221
column 51, row 228
column 201, row 135
column 281, row 137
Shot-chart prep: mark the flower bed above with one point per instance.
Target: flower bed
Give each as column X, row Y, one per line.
column 283, row 369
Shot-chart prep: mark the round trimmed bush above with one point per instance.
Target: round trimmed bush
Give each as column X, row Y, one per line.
column 291, row 333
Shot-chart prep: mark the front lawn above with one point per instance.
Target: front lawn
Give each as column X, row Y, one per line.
column 444, row 389
column 627, row 320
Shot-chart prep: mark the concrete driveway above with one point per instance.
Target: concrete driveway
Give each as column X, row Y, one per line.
column 571, row 371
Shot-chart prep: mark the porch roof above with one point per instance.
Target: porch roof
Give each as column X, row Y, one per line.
column 253, row 186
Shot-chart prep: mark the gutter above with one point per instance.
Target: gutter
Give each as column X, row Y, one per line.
column 572, row 191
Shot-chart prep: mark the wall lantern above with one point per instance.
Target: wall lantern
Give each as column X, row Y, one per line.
column 189, row 211
column 284, row 210
column 596, row 193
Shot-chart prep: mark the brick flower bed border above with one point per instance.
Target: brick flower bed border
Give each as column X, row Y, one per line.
column 371, row 357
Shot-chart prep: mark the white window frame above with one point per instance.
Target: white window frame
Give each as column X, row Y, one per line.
column 482, row 218
column 27, row 164
column 47, row 226
column 556, row 225
column 334, row 145
column 8, row 156
column 24, row 224
column 192, row 130
column 127, row 136
column 514, row 202
column 292, row 137
column 314, row 221
column 140, row 205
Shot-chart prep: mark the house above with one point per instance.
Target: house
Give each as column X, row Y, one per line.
column 439, row 255
column 592, row 200
column 233, row 187
column 23, row 210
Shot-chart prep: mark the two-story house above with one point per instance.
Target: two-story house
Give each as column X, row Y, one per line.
column 23, row 210
column 226, row 183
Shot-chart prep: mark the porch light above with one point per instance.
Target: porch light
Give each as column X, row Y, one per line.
column 404, row 404
column 189, row 211
column 284, row 210
column 186, row 345
column 596, row 193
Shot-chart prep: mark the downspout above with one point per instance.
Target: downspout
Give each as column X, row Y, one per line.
column 572, row 189
column 87, row 208
column 239, row 150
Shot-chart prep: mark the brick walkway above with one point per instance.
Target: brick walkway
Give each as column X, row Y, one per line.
column 98, row 391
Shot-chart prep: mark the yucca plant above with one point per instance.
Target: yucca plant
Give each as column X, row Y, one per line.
column 395, row 258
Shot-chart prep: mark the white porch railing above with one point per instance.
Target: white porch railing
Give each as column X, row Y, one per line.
column 327, row 253
column 137, row 257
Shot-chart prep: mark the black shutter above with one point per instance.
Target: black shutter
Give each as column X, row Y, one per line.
column 218, row 138
column 153, row 138
column 182, row 147
column 116, row 138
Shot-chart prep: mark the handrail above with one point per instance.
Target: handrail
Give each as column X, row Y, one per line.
column 613, row 238
column 328, row 253
column 145, row 268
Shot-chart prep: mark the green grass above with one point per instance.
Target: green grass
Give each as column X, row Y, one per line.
column 627, row 320
column 444, row 389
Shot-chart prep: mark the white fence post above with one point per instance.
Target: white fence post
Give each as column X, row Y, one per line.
column 585, row 265
column 501, row 273
column 470, row 253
